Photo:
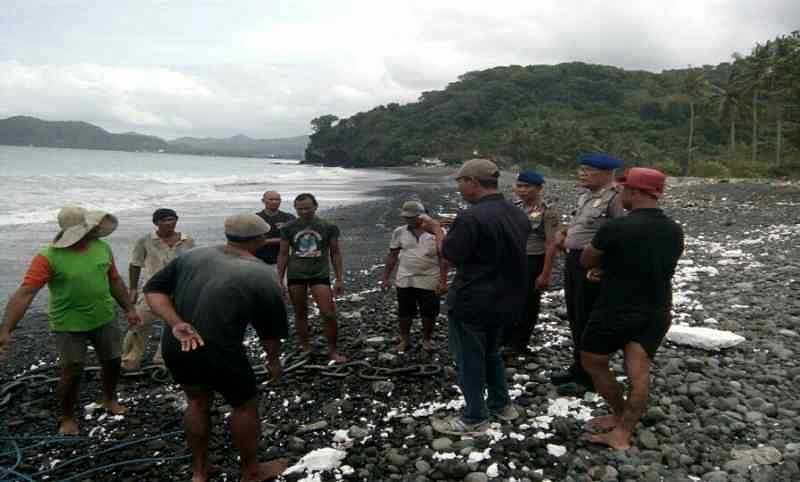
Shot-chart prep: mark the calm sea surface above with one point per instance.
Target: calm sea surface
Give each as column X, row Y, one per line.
column 36, row 182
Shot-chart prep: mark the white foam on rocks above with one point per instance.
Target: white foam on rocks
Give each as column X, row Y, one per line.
column 556, row 450
column 319, row 460
column 702, row 337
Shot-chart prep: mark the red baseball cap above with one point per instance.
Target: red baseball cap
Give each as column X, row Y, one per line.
column 645, row 179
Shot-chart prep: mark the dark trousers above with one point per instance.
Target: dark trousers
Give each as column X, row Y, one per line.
column 518, row 334
column 475, row 348
column 579, row 296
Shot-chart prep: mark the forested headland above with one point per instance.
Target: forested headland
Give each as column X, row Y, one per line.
column 738, row 118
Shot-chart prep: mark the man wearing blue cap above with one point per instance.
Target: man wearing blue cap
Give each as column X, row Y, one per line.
column 596, row 206
column 541, row 249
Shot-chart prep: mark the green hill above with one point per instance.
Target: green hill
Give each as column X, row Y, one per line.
column 30, row 131
column 546, row 114
column 287, row 148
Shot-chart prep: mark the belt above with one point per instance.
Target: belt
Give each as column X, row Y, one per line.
column 574, row 250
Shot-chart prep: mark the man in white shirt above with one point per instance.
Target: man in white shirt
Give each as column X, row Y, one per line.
column 151, row 252
column 421, row 275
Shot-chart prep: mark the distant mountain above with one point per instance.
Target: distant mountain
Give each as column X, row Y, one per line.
column 288, row 147
column 30, row 131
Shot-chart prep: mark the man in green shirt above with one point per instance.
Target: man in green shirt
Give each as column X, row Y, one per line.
column 79, row 270
column 307, row 245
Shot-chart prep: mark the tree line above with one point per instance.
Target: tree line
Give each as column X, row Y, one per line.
column 738, row 118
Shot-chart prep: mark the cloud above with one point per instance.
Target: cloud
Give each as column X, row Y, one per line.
column 265, row 70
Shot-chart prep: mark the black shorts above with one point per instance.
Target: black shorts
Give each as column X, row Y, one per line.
column 308, row 282
column 411, row 301
column 608, row 331
column 227, row 372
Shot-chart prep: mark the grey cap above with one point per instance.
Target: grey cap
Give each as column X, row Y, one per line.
column 245, row 227
column 412, row 209
column 478, row 169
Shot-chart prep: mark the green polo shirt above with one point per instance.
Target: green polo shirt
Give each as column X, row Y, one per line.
column 80, row 291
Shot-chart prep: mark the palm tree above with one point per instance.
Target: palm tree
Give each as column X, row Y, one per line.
column 728, row 101
column 755, row 72
column 695, row 88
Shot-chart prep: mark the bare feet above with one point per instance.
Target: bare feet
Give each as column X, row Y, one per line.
column 427, row 345
column 115, row 408
column 210, row 471
column 337, row 357
column 602, row 423
column 616, row 439
column 267, row 471
column 402, row 346
column 68, row 426
column 129, row 365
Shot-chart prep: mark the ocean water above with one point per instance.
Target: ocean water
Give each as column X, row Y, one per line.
column 36, row 182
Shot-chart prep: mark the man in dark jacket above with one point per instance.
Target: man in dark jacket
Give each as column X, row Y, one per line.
column 486, row 243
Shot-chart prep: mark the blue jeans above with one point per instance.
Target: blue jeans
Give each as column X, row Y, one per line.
column 475, row 346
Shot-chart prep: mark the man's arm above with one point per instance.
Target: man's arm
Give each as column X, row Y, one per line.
column 338, row 267
column 161, row 304
column 591, row 257
column 444, row 267
column 120, row 293
column 391, row 263
column 17, row 305
column 283, row 260
column 133, row 279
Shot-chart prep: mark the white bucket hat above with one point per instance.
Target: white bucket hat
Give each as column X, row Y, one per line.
column 76, row 222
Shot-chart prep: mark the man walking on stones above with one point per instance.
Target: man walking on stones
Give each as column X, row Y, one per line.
column 541, row 250
column 276, row 219
column 637, row 255
column 208, row 297
column 78, row 268
column 596, row 206
column 421, row 275
column 309, row 245
column 486, row 243
column 150, row 253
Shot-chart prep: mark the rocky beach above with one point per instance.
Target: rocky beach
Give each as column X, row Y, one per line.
column 716, row 413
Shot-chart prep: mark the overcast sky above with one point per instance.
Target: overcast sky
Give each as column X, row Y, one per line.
column 265, row 68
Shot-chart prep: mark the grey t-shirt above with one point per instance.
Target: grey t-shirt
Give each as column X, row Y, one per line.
column 219, row 294
column 594, row 210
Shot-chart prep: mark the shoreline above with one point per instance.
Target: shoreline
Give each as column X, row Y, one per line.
column 739, row 273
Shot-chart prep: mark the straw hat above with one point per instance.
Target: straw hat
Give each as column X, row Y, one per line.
column 76, row 222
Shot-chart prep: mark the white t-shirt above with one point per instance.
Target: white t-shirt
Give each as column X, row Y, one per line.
column 418, row 265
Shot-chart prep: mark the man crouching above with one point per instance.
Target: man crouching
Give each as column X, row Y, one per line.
column 208, row 296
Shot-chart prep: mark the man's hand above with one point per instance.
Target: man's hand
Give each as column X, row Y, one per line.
column 428, row 224
column 186, row 334
column 386, row 285
column 595, row 275
column 542, row 282
column 5, row 341
column 275, row 369
column 133, row 318
column 338, row 288
column 282, row 286
column 441, row 288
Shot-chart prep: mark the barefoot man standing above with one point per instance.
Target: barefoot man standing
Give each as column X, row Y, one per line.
column 208, row 297
column 637, row 255
column 79, row 270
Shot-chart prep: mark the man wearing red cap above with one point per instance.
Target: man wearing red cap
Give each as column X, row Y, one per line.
column 637, row 255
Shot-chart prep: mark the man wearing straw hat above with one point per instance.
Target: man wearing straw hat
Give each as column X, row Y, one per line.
column 79, row 270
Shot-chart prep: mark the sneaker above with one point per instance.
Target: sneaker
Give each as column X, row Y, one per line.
column 456, row 426
column 508, row 413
